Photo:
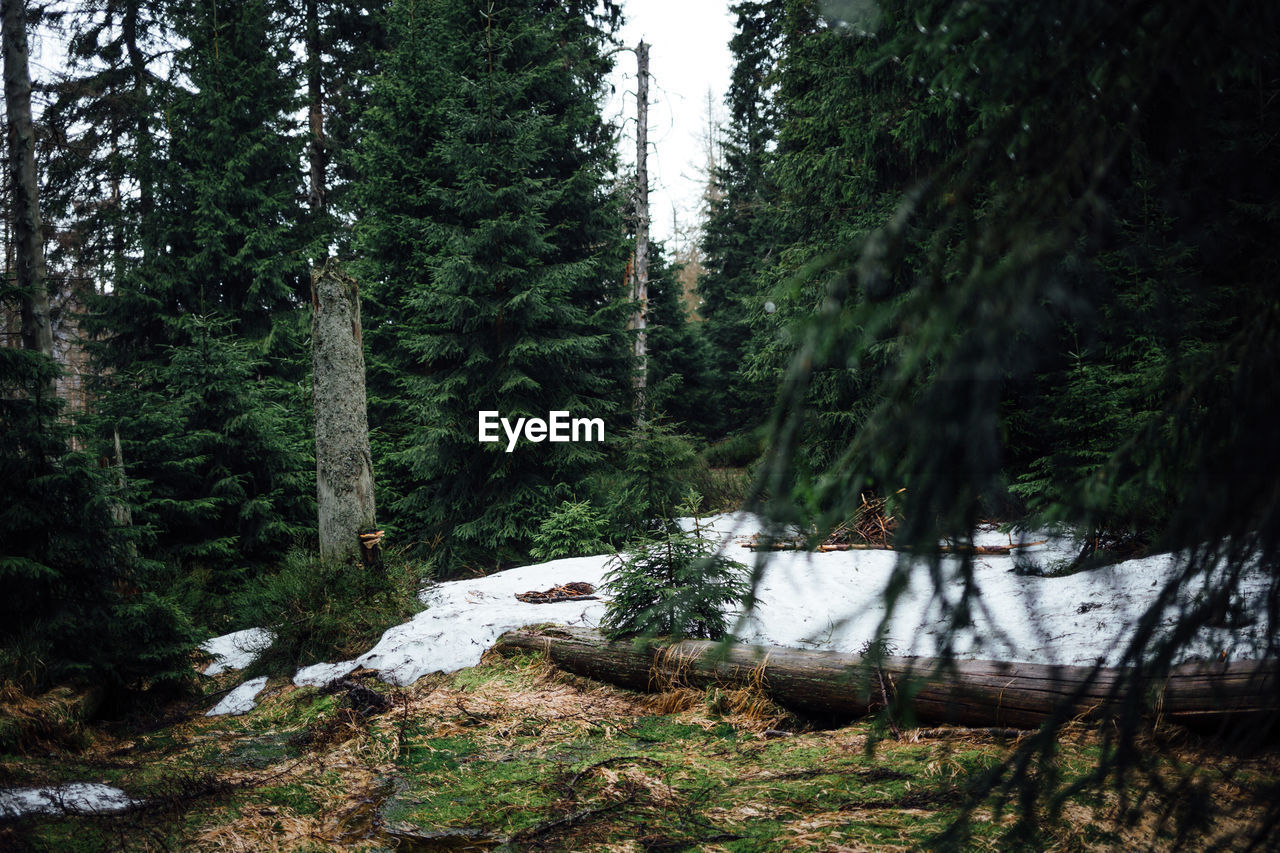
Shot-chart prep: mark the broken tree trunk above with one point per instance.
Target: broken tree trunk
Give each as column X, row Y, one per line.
column 835, row 685
column 344, row 464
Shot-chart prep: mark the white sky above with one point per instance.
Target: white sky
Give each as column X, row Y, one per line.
column 688, row 57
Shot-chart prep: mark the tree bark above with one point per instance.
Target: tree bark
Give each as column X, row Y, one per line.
column 640, row 287
column 28, row 231
column 139, row 98
column 835, row 685
column 344, row 464
column 315, row 110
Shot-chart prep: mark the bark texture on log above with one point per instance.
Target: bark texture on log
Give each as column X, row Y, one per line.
column 836, row 685
column 344, row 464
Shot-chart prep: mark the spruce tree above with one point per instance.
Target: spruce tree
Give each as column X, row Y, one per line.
column 737, row 236
column 208, row 325
column 79, row 604
column 1075, row 295
column 682, row 372
column 216, row 467
column 103, row 145
column 493, row 262
column 852, row 133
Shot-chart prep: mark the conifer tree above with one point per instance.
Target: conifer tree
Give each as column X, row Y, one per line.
column 1076, row 295
column 209, row 324
column 493, row 260
column 737, row 236
column 682, row 375
column 103, row 143
column 852, row 134
column 216, row 466
column 78, row 604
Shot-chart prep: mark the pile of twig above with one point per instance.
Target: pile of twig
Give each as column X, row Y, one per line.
column 872, row 524
column 573, row 591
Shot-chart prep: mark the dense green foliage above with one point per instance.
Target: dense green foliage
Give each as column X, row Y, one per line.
column 683, row 382
column 737, row 240
column 219, row 477
column 573, row 529
column 200, row 356
column 79, row 604
column 322, row 611
column 1025, row 276
column 491, row 250
column 1041, row 262
column 999, row 260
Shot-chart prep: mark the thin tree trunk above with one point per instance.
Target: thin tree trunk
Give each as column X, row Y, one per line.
column 640, row 289
column 835, row 685
column 28, row 231
column 344, row 464
column 140, row 97
column 315, row 110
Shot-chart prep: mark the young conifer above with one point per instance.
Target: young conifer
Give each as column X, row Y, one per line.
column 79, row 604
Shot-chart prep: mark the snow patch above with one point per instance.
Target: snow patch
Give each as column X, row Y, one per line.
column 464, row 618
column 236, row 650
column 241, row 700
column 835, row 601
column 320, row 674
column 74, row 798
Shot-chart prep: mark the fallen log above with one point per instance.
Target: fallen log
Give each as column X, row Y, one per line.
column 841, row 686
column 976, row 550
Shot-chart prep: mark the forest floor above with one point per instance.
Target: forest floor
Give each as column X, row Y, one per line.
column 514, row 754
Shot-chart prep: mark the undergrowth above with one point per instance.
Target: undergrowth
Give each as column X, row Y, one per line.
column 321, row 610
column 516, row 755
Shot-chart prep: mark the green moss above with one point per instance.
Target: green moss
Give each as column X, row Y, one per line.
column 666, row 781
column 263, row 751
column 293, row 797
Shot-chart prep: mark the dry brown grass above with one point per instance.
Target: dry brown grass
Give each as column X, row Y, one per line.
column 739, row 775
column 50, row 720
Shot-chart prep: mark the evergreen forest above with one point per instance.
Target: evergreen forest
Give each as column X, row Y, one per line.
column 959, row 263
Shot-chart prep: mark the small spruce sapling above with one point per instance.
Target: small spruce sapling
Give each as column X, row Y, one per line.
column 675, row 583
column 573, row 529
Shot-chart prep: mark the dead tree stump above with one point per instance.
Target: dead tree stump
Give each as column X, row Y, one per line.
column 344, row 464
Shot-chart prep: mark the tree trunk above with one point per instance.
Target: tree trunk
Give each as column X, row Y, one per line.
column 315, row 110
column 344, row 465
column 28, row 232
column 834, row 685
column 146, row 146
column 640, row 288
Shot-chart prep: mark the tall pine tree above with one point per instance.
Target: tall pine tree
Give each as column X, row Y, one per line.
column 493, row 259
column 207, row 323
column 738, row 238
column 79, row 604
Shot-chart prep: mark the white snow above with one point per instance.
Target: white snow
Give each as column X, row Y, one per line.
column 73, row 798
column 236, row 650
column 826, row 601
column 321, row 674
column 240, row 700
column 834, row 601
column 464, row 618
